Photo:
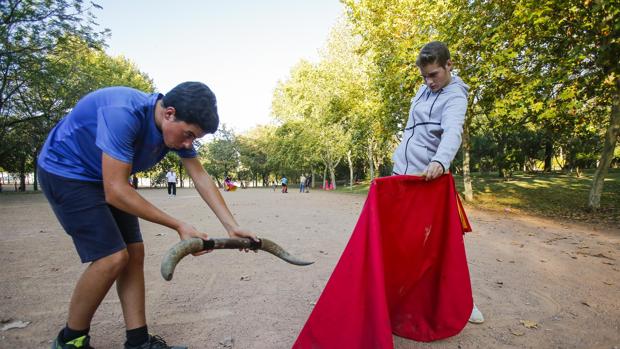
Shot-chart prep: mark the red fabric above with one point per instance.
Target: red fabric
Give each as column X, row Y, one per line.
column 404, row 271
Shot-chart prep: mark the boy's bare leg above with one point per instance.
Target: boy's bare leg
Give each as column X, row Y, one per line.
column 130, row 287
column 92, row 287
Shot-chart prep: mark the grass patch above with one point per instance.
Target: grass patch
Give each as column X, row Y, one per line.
column 555, row 195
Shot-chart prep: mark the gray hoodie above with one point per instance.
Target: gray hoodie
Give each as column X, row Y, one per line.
column 434, row 128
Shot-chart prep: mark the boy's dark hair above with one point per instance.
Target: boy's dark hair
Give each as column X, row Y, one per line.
column 195, row 104
column 433, row 52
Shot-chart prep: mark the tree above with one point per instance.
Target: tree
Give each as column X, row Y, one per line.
column 50, row 92
column 221, row 156
column 30, row 31
column 254, row 153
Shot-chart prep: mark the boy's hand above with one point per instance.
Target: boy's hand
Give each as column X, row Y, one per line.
column 187, row 231
column 433, row 171
column 239, row 232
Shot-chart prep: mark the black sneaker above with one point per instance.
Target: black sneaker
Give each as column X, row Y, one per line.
column 78, row 343
column 154, row 342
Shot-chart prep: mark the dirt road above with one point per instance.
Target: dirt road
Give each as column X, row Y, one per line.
column 560, row 279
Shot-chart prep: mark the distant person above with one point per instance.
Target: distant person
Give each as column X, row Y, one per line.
column 84, row 167
column 308, row 183
column 284, row 183
column 433, row 132
column 171, row 178
column 229, row 185
column 302, row 183
column 274, row 184
column 134, row 181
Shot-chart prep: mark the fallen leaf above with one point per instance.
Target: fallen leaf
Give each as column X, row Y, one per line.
column 499, row 260
column 586, row 303
column 607, row 283
column 245, row 278
column 14, row 324
column 517, row 332
column 529, row 323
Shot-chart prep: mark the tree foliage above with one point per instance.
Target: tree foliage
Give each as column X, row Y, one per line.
column 50, row 56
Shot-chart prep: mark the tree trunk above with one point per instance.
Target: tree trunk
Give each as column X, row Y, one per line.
column 469, row 193
column 548, row 154
column 371, row 162
column 350, row 169
column 35, row 184
column 324, row 176
column 181, row 174
column 611, row 137
column 332, row 176
column 22, row 175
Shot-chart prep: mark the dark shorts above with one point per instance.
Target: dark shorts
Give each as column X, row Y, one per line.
column 97, row 229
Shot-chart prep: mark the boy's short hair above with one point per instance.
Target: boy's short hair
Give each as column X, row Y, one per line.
column 195, row 104
column 435, row 52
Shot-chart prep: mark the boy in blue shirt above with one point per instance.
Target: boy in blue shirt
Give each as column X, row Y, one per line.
column 83, row 168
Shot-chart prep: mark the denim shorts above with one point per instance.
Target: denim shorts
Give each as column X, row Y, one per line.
column 97, row 229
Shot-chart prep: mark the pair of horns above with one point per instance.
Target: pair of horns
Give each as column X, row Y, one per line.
column 193, row 245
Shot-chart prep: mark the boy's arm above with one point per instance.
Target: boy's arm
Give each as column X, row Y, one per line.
column 120, row 194
column 452, row 119
column 212, row 196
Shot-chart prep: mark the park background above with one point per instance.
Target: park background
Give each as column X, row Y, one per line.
column 542, row 128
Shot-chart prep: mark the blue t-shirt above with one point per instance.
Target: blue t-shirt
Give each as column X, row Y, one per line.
column 119, row 121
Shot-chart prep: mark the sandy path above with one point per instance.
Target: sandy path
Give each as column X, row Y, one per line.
column 561, row 276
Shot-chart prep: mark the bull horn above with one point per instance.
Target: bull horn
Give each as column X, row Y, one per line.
column 193, row 245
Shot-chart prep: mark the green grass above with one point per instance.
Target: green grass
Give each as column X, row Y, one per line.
column 554, row 195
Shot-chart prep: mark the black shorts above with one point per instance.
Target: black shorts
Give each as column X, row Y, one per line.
column 97, row 229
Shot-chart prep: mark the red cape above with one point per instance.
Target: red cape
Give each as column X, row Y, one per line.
column 404, row 270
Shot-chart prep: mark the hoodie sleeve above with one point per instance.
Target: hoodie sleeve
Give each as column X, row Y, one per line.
column 452, row 119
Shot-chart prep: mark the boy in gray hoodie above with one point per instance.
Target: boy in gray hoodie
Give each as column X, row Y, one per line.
column 433, row 132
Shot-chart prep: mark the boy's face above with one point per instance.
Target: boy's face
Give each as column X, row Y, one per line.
column 436, row 76
column 179, row 134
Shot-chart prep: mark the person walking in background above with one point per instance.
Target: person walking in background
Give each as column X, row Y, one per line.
column 302, row 183
column 134, row 181
column 433, row 132
column 284, row 183
column 171, row 177
column 308, row 183
column 229, row 185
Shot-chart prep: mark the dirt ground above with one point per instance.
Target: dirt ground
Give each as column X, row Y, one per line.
column 559, row 278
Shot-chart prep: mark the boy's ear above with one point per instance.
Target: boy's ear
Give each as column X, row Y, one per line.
column 170, row 111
